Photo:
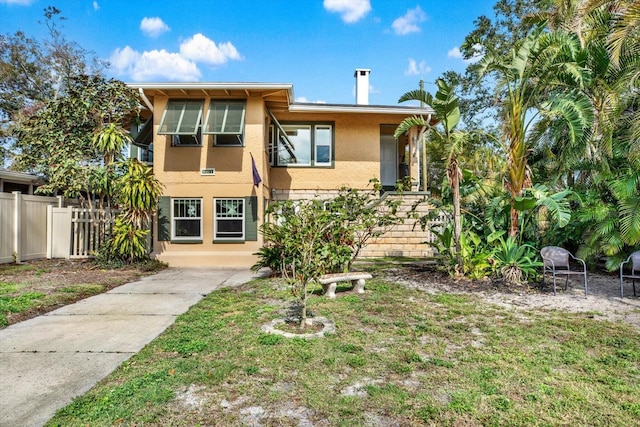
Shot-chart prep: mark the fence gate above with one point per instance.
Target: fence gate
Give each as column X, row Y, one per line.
column 89, row 229
column 77, row 232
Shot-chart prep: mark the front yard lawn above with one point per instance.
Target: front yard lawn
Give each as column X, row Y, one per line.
column 399, row 356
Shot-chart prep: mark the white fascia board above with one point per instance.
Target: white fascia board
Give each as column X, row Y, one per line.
column 214, row 86
column 355, row 108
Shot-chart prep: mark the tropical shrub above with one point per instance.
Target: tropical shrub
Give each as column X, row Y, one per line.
column 515, row 262
column 474, row 252
column 139, row 191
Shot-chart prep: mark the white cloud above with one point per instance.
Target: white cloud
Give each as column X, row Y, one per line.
column 305, row 100
column 417, row 69
column 456, row 54
column 123, row 59
column 199, row 48
column 153, row 27
column 172, row 66
column 350, row 10
column 409, row 22
column 153, row 65
column 96, row 6
column 18, row 2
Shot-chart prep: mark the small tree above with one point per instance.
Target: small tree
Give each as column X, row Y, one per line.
column 363, row 216
column 67, row 138
column 308, row 238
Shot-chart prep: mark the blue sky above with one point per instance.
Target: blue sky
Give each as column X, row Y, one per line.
column 314, row 44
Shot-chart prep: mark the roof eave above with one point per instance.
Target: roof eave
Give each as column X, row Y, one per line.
column 215, row 86
column 357, row 108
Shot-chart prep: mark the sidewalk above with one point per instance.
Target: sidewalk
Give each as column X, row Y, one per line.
column 47, row 361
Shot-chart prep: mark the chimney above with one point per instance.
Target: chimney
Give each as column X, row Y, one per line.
column 362, row 86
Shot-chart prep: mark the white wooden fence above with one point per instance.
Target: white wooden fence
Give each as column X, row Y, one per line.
column 34, row 227
column 77, row 232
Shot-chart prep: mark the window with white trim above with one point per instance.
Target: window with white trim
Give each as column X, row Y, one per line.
column 323, row 143
column 304, row 144
column 229, row 216
column 186, row 219
column 182, row 119
column 225, row 121
column 145, row 154
column 143, row 142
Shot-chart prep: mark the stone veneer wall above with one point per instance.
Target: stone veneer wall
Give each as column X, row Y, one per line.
column 401, row 240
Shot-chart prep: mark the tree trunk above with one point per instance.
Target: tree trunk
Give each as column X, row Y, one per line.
column 457, row 217
column 425, row 174
column 303, row 310
column 514, row 219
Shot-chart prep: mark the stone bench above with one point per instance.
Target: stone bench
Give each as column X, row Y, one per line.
column 330, row 281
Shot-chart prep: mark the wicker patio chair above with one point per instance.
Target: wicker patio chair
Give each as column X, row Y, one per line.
column 634, row 258
column 561, row 262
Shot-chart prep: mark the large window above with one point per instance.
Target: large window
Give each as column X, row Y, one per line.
column 229, row 221
column 303, row 144
column 186, row 219
column 182, row 119
column 225, row 121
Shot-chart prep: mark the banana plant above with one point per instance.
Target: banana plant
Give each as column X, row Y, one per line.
column 539, row 209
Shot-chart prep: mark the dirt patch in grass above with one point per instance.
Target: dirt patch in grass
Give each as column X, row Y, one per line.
column 602, row 301
column 36, row 287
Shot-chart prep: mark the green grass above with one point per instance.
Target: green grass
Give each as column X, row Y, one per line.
column 398, row 357
column 16, row 304
column 14, row 300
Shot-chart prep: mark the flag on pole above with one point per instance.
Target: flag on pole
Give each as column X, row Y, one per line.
column 256, row 176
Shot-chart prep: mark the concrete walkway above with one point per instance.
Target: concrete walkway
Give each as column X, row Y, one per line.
column 47, row 361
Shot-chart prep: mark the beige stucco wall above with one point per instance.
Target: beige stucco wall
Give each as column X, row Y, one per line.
column 178, row 168
column 356, row 161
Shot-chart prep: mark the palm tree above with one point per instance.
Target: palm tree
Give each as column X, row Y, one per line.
column 446, row 106
column 539, row 78
column 625, row 28
column 421, row 96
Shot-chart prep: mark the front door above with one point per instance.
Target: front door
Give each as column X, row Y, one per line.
column 388, row 161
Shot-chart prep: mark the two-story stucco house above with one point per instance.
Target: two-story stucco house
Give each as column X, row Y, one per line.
column 225, row 150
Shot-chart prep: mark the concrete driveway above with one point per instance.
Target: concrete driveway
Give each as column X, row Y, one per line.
column 49, row 360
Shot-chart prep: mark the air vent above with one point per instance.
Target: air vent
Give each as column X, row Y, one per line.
column 208, row 171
